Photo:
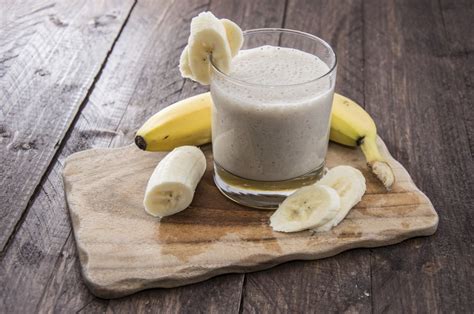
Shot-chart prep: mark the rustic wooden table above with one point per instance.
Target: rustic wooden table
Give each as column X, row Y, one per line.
column 81, row 74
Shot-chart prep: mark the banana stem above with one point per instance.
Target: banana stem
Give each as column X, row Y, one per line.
column 376, row 162
column 140, row 142
column 370, row 150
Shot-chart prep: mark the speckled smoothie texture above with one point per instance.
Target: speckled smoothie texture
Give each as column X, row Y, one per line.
column 276, row 126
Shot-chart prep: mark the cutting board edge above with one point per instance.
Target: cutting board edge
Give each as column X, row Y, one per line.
column 77, row 155
column 392, row 161
column 130, row 286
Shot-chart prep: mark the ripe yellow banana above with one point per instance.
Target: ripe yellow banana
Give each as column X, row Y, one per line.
column 351, row 125
column 188, row 122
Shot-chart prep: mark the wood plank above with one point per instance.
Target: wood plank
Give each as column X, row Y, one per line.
column 340, row 283
column 50, row 54
column 219, row 295
column 35, row 251
column 457, row 25
column 147, row 79
column 75, row 296
column 417, row 91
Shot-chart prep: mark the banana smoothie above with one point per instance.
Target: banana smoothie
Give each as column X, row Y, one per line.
column 271, row 114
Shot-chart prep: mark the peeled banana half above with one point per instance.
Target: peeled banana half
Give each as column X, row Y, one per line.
column 171, row 187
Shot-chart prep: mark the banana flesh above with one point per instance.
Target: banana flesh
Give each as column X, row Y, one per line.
column 184, row 66
column 349, row 184
column 209, row 38
column 308, row 207
column 235, row 38
column 317, row 206
column 171, row 187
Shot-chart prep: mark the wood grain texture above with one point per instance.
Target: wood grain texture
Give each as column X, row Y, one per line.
column 50, row 54
column 417, row 89
column 124, row 250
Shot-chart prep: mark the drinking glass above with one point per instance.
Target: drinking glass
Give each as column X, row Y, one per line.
column 269, row 140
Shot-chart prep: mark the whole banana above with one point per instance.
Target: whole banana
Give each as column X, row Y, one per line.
column 188, row 122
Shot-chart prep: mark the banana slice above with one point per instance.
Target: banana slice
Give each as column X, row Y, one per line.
column 208, row 39
column 171, row 187
column 308, row 207
column 349, row 184
column 235, row 38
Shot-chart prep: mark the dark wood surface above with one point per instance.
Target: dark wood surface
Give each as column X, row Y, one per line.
column 51, row 54
column 82, row 74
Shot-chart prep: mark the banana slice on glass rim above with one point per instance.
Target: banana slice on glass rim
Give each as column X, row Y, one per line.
column 221, row 39
column 234, row 34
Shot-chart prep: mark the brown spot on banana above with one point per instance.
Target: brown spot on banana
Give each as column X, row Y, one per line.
column 376, row 161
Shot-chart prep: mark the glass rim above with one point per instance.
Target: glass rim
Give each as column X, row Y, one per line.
column 288, row 31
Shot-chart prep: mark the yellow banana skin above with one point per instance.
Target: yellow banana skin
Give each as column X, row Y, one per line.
column 349, row 122
column 351, row 125
column 188, row 122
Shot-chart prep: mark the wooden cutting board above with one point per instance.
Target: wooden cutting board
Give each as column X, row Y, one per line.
column 123, row 250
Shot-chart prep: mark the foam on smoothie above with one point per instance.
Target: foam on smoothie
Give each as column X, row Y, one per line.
column 269, row 128
column 269, row 65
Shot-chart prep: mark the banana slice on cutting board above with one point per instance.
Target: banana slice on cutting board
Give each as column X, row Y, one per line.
column 308, row 207
column 349, row 184
column 209, row 38
column 171, row 187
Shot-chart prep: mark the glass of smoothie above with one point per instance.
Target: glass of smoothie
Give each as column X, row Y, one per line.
column 271, row 116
